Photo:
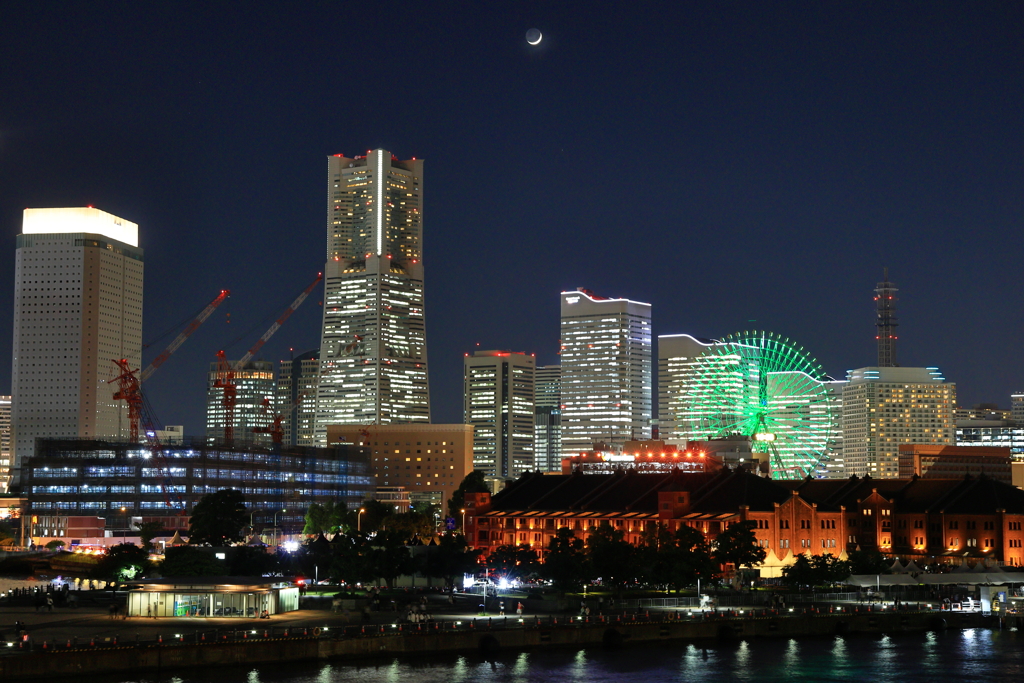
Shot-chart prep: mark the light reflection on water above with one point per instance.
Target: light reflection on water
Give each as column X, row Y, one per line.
column 971, row 655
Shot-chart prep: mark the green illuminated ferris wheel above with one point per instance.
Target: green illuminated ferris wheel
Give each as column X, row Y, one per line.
column 762, row 386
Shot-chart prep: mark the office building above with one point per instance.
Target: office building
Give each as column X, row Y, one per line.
column 547, row 423
column 5, row 443
column 422, row 458
column 677, row 368
column 373, row 351
column 606, row 370
column 498, row 388
column 1017, row 408
column 954, row 462
column 886, row 407
column 1008, row 434
column 254, row 406
column 297, row 381
column 982, row 411
column 117, row 480
column 77, row 307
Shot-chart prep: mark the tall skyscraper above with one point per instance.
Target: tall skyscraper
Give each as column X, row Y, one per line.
column 547, row 423
column 5, row 443
column 77, row 308
column 606, row 370
column 886, row 322
column 373, row 351
column 886, row 407
column 498, row 387
column 677, row 365
column 296, row 398
column 254, row 403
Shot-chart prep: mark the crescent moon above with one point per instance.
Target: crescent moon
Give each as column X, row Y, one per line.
column 530, row 34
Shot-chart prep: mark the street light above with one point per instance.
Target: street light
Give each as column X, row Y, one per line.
column 276, row 513
column 437, row 522
column 124, row 533
column 252, row 527
column 463, row 511
column 359, row 520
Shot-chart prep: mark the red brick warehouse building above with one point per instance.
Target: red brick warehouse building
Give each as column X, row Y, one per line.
column 921, row 519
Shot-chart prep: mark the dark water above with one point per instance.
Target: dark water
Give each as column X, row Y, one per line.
column 962, row 656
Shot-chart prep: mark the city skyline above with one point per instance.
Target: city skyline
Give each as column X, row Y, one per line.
column 874, row 139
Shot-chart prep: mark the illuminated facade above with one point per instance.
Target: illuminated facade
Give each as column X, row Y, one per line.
column 373, row 362
column 606, row 370
column 677, row 370
column 422, row 458
column 297, row 381
column 886, row 407
column 5, row 442
column 547, row 424
column 77, row 307
column 992, row 433
column 254, row 384
column 116, row 479
column 930, row 520
column 498, row 390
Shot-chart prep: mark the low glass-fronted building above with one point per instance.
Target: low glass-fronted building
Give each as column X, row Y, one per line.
column 120, row 481
column 218, row 596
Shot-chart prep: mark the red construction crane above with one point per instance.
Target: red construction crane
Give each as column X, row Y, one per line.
column 185, row 334
column 226, row 372
column 274, row 428
column 129, row 390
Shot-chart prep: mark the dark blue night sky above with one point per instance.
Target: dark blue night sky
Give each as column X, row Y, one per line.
column 738, row 165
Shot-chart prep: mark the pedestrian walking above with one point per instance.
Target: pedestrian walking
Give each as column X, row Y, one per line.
column 519, row 609
column 49, row 603
column 149, row 610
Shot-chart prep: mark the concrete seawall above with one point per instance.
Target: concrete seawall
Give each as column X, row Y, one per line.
column 60, row 662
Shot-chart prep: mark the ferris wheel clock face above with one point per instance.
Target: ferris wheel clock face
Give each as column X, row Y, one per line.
column 765, row 387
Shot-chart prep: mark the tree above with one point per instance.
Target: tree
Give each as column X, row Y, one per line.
column 388, row 557
column 191, row 561
column 800, row 573
column 472, row 483
column 55, row 545
column 612, row 558
column 246, row 560
column 829, row 569
column 738, row 546
column 218, row 518
column 565, row 562
column 513, row 563
column 450, row 559
column 374, row 515
column 410, row 524
column 675, row 559
column 148, row 531
column 326, row 519
column 868, row 562
column 123, row 562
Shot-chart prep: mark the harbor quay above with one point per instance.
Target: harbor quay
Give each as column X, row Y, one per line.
column 70, row 642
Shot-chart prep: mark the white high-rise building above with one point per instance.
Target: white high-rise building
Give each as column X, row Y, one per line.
column 5, row 443
column 498, row 391
column 373, row 362
column 77, row 308
column 886, row 407
column 606, row 370
column 547, row 424
column 677, row 368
